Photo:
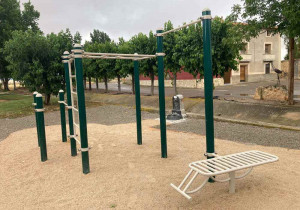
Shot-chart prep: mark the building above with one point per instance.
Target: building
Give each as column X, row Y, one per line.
column 258, row 56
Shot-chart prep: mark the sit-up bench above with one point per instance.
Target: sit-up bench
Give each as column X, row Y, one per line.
column 221, row 165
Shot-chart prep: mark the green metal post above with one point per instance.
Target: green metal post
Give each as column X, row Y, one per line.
column 41, row 126
column 137, row 102
column 81, row 108
column 69, row 102
column 36, row 121
column 208, row 84
column 161, row 85
column 62, row 115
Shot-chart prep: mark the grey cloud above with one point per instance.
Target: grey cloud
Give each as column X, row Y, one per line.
column 121, row 18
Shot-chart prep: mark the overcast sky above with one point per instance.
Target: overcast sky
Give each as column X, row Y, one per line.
column 122, row 18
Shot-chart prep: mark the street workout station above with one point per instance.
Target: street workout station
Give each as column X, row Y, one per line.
column 210, row 168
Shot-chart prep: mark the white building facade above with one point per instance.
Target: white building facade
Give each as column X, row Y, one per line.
column 258, row 56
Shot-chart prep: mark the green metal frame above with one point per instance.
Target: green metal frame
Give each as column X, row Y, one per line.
column 208, row 84
column 81, row 109
column 62, row 115
column 41, row 127
column 69, row 102
column 161, row 86
column 138, row 102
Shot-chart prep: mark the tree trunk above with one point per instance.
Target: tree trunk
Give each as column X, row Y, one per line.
column 97, row 83
column 90, row 83
column 106, row 84
column 47, row 99
column 175, row 83
column 152, row 82
column 132, row 83
column 119, row 83
column 15, row 87
column 5, row 84
column 84, row 82
column 291, row 71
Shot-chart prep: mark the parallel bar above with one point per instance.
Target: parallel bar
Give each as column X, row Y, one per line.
column 138, row 102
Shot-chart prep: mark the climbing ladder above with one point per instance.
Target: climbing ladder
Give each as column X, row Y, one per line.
column 74, row 107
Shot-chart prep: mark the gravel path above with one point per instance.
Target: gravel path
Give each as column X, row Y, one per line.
column 111, row 115
column 107, row 115
column 244, row 133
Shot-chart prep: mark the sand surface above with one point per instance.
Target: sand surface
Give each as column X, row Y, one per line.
column 125, row 175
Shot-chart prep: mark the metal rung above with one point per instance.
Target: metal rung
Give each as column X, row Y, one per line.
column 73, row 76
column 75, row 109
column 76, row 125
column 74, row 93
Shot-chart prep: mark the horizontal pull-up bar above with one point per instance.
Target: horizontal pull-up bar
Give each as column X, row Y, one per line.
column 123, row 55
column 185, row 25
column 115, row 57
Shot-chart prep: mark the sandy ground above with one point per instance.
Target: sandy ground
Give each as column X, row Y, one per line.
column 125, row 175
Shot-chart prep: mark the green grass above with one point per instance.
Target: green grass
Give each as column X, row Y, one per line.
column 14, row 105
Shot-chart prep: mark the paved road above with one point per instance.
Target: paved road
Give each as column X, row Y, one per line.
column 242, row 91
column 109, row 115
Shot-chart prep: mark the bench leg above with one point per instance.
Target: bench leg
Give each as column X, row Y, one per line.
column 232, row 182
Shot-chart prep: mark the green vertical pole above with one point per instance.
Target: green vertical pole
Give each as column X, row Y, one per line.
column 36, row 121
column 81, row 108
column 69, row 102
column 137, row 102
column 161, row 86
column 41, row 126
column 208, row 84
column 62, row 115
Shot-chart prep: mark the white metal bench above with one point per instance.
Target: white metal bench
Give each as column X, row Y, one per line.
column 221, row 165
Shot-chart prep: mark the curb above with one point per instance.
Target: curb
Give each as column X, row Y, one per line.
column 244, row 122
column 222, row 119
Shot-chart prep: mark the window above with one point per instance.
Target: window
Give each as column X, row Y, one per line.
column 244, row 49
column 269, row 33
column 267, row 48
column 267, row 68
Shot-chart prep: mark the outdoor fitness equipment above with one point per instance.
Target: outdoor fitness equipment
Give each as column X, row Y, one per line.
column 78, row 54
column 216, row 165
column 77, row 125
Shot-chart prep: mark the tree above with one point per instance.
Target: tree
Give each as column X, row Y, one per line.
column 226, row 43
column 30, row 16
column 142, row 44
column 107, row 66
column 189, row 50
column 149, row 67
column 123, row 67
column 173, row 54
column 36, row 60
column 99, row 36
column 77, row 38
column 276, row 15
column 10, row 20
